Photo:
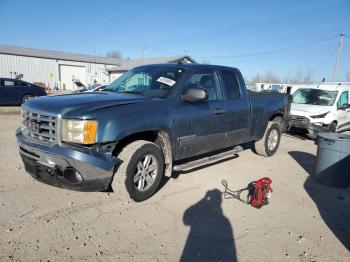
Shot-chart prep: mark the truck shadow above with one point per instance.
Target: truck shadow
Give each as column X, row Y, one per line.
column 332, row 203
column 211, row 235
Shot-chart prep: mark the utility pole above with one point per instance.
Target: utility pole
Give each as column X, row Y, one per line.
column 142, row 50
column 338, row 55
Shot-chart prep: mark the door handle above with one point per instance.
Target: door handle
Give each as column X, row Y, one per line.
column 219, row 111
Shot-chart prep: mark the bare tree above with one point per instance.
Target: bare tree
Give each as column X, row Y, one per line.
column 302, row 77
column 297, row 78
column 256, row 79
column 114, row 54
column 307, row 79
column 271, row 77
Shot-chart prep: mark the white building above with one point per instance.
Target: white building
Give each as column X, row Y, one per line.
column 278, row 87
column 60, row 69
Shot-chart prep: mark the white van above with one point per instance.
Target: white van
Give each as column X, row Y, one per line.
column 321, row 107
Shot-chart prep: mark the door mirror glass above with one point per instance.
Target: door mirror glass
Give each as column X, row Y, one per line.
column 345, row 106
column 195, row 94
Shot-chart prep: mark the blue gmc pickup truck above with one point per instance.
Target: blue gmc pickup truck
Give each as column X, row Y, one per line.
column 152, row 120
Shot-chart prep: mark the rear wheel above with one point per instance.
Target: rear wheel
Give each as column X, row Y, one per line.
column 268, row 145
column 26, row 97
column 279, row 120
column 140, row 173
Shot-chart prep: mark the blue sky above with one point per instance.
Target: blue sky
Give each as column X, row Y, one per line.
column 217, row 31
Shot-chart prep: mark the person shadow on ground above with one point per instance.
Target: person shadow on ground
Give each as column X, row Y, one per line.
column 211, row 235
column 332, row 203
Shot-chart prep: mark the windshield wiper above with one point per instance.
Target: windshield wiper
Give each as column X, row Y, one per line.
column 133, row 92
column 108, row 90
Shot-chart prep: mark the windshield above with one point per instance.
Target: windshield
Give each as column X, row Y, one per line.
column 315, row 97
column 150, row 82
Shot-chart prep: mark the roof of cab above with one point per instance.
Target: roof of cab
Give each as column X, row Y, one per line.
column 187, row 66
column 329, row 86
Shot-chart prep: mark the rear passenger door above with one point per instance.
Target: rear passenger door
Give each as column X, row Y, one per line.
column 237, row 107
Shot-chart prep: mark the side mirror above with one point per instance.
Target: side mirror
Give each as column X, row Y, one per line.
column 194, row 94
column 344, row 107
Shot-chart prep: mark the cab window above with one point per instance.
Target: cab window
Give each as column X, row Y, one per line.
column 208, row 80
column 231, row 84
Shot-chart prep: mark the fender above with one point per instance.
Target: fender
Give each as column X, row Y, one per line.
column 330, row 117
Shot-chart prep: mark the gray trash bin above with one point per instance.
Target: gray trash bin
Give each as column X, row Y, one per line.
column 333, row 159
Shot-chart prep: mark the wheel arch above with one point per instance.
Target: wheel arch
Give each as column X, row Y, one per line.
column 26, row 94
column 160, row 137
column 276, row 115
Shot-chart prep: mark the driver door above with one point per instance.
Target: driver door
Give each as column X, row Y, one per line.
column 206, row 129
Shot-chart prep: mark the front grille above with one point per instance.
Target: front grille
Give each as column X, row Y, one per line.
column 39, row 126
column 299, row 120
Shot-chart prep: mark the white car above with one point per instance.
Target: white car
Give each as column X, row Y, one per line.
column 324, row 107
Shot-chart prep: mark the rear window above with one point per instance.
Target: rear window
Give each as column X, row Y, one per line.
column 21, row 83
column 231, row 84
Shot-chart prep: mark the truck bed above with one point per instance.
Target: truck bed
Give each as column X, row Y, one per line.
column 263, row 106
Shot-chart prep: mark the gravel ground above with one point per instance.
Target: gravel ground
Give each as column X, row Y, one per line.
column 187, row 219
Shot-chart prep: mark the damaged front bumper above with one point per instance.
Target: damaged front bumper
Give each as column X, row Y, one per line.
column 312, row 128
column 76, row 168
column 303, row 122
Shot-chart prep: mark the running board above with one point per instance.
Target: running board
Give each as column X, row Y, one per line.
column 209, row 159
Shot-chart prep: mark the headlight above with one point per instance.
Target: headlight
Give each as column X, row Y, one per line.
column 79, row 131
column 320, row 116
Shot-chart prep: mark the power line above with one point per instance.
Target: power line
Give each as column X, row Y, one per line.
column 251, row 54
column 282, row 56
column 159, row 50
column 324, row 61
column 276, row 50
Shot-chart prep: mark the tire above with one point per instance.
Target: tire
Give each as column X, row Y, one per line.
column 25, row 97
column 136, row 157
column 269, row 143
column 332, row 127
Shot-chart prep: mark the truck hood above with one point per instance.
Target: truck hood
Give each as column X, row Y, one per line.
column 81, row 103
column 308, row 110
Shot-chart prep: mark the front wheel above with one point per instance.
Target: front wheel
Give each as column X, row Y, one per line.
column 25, row 98
column 269, row 143
column 140, row 173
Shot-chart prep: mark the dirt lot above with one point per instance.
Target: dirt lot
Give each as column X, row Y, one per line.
column 187, row 219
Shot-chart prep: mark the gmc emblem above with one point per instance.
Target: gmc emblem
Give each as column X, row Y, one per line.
column 32, row 126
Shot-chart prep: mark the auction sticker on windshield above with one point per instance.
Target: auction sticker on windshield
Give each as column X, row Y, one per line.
column 166, row 81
